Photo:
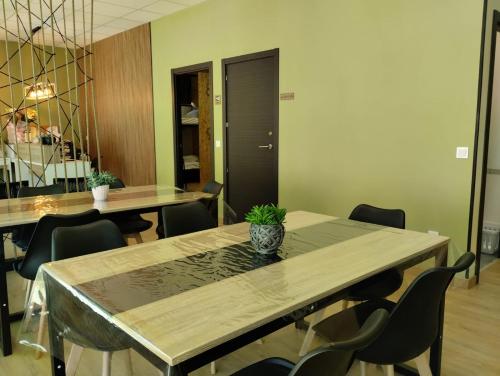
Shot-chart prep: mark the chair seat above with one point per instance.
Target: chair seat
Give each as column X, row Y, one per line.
column 378, row 286
column 17, row 265
column 21, row 236
column 267, row 367
column 346, row 323
column 160, row 231
column 131, row 224
column 21, row 243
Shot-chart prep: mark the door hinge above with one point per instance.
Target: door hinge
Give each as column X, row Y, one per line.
column 226, row 77
column 227, row 170
column 227, row 124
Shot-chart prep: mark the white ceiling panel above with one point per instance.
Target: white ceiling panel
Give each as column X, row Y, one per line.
column 123, row 23
column 111, row 10
column 164, row 7
column 110, row 16
column 188, row 2
column 136, row 4
column 142, row 16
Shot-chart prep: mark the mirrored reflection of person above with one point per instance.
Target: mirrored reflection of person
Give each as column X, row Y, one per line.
column 17, row 130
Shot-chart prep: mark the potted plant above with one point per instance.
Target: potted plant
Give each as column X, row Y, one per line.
column 99, row 183
column 266, row 228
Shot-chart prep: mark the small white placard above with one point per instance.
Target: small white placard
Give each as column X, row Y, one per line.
column 290, row 96
column 462, row 152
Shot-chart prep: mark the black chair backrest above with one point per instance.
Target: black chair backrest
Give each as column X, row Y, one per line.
column 186, row 218
column 85, row 239
column 80, row 324
column 74, row 184
column 379, row 216
column 118, row 183
column 21, row 235
column 336, row 359
column 40, row 247
column 13, row 187
column 413, row 323
column 54, row 189
column 213, row 187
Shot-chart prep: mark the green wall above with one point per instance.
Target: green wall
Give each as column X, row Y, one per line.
column 384, row 92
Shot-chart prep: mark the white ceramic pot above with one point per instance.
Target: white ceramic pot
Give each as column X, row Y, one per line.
column 100, row 193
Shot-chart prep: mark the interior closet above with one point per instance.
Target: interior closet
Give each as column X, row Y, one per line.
column 193, row 131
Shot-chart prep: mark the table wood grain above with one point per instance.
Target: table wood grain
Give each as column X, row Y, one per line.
column 25, row 210
column 184, row 325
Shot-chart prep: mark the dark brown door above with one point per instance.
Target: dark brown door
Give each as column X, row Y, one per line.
column 251, row 142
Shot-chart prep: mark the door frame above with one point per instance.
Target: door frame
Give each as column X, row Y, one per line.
column 495, row 29
column 274, row 53
column 173, row 74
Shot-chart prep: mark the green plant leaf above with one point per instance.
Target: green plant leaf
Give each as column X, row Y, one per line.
column 97, row 179
column 266, row 215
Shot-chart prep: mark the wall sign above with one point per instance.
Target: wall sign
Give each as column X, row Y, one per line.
column 287, row 96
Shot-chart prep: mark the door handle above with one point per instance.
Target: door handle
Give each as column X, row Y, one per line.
column 270, row 146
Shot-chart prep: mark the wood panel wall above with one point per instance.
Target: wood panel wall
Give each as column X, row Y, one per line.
column 204, row 135
column 124, row 106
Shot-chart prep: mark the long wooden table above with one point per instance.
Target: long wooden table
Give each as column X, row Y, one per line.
column 21, row 211
column 185, row 301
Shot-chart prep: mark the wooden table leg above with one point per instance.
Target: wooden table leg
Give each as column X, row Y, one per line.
column 441, row 258
column 437, row 346
column 4, row 304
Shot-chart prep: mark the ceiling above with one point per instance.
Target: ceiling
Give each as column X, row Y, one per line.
column 110, row 17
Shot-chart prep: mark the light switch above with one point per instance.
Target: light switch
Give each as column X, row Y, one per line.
column 217, row 143
column 462, row 152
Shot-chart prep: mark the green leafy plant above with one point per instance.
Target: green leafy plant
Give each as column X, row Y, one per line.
column 96, row 179
column 266, row 215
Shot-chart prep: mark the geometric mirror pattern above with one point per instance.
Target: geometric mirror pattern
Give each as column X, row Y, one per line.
column 47, row 94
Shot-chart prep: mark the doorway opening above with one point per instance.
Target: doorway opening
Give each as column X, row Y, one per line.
column 489, row 202
column 193, row 126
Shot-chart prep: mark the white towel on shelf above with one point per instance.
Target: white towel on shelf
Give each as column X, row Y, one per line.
column 191, row 162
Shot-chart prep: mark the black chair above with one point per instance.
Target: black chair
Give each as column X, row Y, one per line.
column 74, row 184
column 21, row 236
column 93, row 237
column 14, row 188
column 377, row 286
column 413, row 323
column 186, row 218
column 214, row 188
column 389, row 281
column 79, row 324
column 130, row 224
column 40, row 245
column 332, row 360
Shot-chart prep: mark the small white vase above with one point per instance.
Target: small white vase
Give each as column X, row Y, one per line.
column 100, row 193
